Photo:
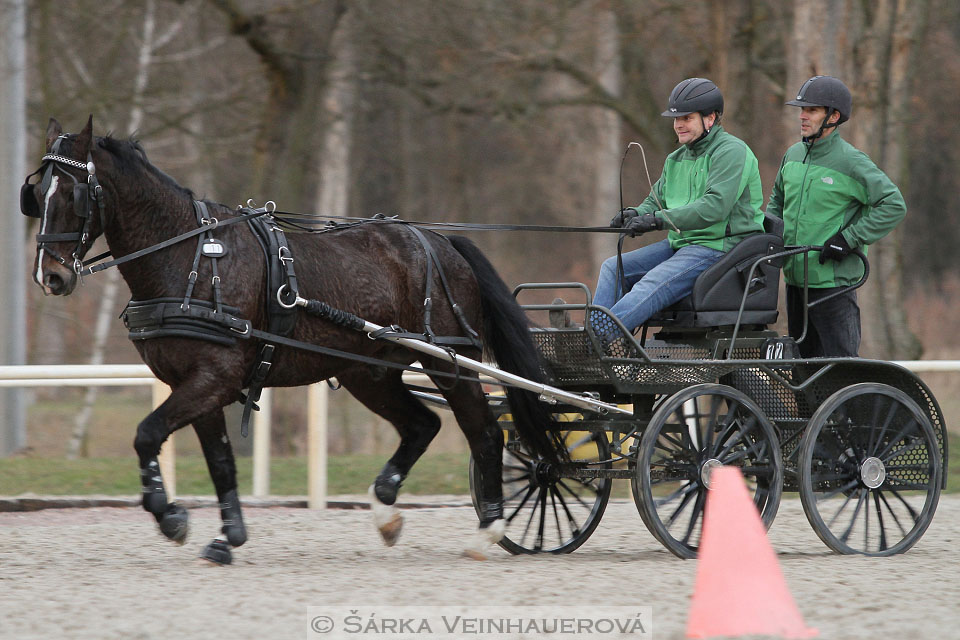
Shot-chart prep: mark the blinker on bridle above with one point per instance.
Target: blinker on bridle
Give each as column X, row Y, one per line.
column 84, row 197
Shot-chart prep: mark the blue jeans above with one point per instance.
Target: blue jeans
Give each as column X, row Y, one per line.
column 656, row 275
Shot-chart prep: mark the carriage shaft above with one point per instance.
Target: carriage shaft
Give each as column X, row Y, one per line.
column 546, row 392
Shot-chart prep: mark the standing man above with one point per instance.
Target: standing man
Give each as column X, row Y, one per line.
column 829, row 193
column 709, row 196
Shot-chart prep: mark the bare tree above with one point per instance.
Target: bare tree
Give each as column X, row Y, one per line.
column 106, row 312
column 293, row 43
column 12, row 156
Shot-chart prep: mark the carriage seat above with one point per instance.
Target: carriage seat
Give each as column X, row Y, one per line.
column 718, row 291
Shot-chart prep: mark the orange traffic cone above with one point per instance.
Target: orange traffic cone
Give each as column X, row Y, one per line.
column 739, row 588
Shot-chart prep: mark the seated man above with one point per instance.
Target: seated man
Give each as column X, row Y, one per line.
column 709, row 195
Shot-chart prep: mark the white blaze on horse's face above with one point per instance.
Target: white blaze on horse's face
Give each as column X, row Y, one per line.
column 54, row 183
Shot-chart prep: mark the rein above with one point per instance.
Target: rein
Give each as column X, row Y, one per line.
column 210, row 226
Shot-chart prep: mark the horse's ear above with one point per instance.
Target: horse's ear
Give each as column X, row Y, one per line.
column 53, row 132
column 85, row 137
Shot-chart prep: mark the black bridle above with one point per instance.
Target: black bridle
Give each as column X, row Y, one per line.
column 85, row 195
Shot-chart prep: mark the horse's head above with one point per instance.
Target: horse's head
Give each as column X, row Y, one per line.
column 68, row 201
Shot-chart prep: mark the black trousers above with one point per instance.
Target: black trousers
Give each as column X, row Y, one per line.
column 833, row 328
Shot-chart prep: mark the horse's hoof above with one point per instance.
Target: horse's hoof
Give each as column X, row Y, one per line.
column 387, row 518
column 174, row 523
column 483, row 538
column 390, row 531
column 217, row 552
column 155, row 502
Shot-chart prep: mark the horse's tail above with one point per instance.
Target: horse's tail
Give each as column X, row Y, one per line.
column 506, row 333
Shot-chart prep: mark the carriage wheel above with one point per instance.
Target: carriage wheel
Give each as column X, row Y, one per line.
column 547, row 510
column 689, row 435
column 870, row 470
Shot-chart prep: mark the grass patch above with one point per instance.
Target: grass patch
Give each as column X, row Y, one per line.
column 434, row 474
column 438, row 473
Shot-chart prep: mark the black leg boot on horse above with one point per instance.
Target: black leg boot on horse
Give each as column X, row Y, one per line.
column 417, row 426
column 212, row 431
column 171, row 517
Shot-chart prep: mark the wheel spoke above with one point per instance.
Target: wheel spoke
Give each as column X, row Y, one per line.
column 872, row 449
column 556, row 515
column 904, row 449
column 682, row 491
column 893, row 514
column 844, row 488
column 746, row 428
column 853, row 520
column 715, row 402
column 543, row 519
column 575, row 495
column 910, row 509
column 843, row 506
column 898, row 438
column 683, row 504
column 574, row 525
column 883, row 531
column 530, row 490
column 866, row 520
column 665, row 436
column 694, row 517
column 513, row 496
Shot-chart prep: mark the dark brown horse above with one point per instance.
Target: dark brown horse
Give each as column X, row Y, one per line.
column 99, row 185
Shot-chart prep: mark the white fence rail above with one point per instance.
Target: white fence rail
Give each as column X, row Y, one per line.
column 139, row 374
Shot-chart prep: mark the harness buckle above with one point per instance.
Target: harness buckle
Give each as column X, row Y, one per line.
column 246, row 329
column 212, row 221
column 287, row 258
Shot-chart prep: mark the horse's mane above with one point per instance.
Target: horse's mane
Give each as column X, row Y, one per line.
column 132, row 159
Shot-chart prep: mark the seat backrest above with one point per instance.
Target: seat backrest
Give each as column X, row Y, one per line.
column 718, row 291
column 773, row 224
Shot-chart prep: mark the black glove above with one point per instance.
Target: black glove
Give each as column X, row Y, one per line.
column 836, row 248
column 621, row 218
column 644, row 223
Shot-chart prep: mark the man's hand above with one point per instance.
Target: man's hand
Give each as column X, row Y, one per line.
column 619, row 220
column 836, row 248
column 644, row 223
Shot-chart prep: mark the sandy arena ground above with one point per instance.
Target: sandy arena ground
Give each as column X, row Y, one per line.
column 107, row 573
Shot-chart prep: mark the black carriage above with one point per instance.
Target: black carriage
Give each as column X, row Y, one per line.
column 862, row 441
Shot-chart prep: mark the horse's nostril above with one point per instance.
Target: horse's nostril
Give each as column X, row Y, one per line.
column 53, row 282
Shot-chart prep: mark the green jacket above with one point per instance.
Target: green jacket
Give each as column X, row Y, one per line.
column 835, row 187
column 711, row 191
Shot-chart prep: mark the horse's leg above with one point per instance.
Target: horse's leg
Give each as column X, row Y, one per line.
column 212, row 431
column 485, row 438
column 186, row 402
column 417, row 426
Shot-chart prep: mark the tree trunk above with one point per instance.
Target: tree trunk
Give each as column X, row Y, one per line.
column 108, row 300
column 610, row 147
column 295, row 59
column 883, row 90
column 13, row 435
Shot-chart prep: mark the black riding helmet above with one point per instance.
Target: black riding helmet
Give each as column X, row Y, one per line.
column 825, row 91
column 694, row 95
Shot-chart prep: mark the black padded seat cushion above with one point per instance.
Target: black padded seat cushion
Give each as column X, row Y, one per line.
column 717, row 293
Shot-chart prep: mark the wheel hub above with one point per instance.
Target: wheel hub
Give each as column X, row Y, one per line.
column 873, row 472
column 547, row 474
column 706, row 470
